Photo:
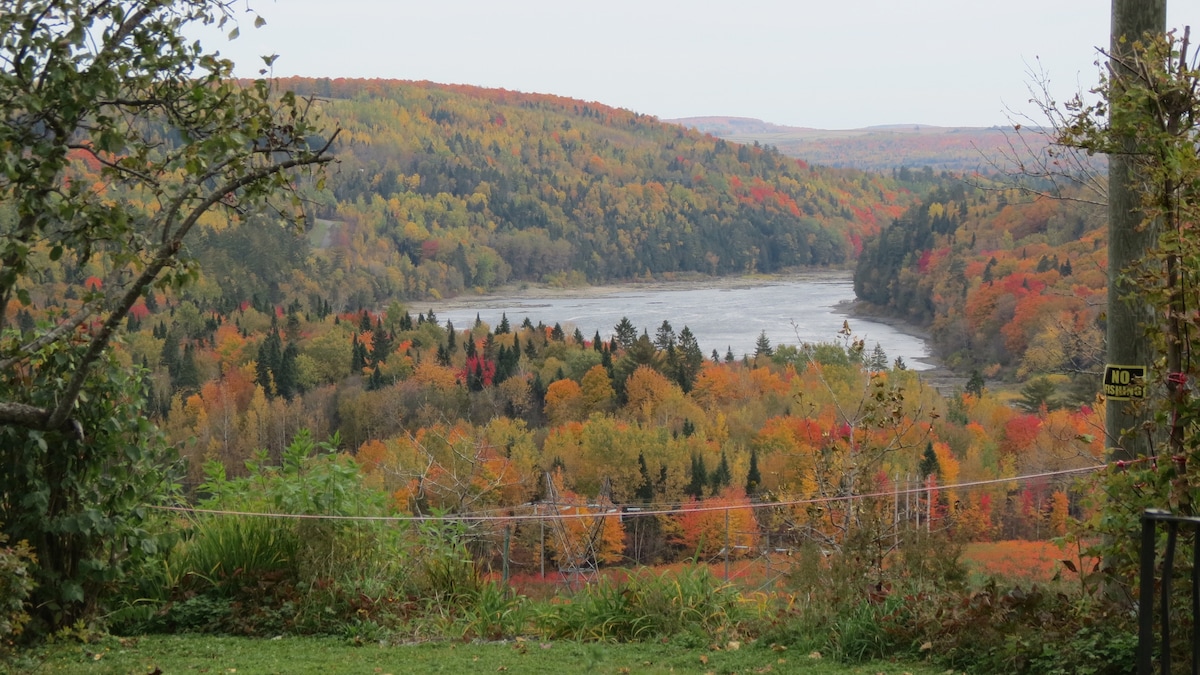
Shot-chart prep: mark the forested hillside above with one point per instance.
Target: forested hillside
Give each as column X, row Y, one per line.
column 445, row 188
column 1008, row 283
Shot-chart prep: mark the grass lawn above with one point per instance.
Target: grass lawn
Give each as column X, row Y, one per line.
column 327, row 656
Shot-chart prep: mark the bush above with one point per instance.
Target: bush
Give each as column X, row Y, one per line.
column 79, row 495
column 16, row 584
column 264, row 575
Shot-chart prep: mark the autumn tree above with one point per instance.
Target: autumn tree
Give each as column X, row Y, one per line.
column 118, row 89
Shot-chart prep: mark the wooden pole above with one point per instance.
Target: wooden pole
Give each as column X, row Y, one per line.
column 1128, row 240
column 507, row 545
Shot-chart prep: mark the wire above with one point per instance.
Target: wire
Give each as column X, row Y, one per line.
column 616, row 510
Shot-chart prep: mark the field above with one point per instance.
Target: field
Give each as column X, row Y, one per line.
column 329, row 656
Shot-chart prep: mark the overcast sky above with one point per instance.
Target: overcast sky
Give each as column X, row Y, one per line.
column 836, row 64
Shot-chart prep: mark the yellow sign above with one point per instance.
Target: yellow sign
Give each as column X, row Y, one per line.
column 1124, row 383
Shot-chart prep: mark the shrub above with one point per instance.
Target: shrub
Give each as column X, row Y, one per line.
column 16, row 584
column 267, row 574
column 79, row 495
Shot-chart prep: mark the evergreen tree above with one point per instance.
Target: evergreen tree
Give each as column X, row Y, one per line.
column 531, row 349
column 753, row 477
column 762, row 346
column 270, row 358
column 625, row 333
column 691, row 360
column 358, row 356
column 597, row 343
column 664, row 337
column 728, row 354
column 375, row 381
column 929, row 462
column 699, row 478
column 557, row 334
column 975, row 384
column 645, row 491
column 188, row 374
column 451, row 339
column 720, row 478
column 287, row 378
column 503, row 328
column 878, row 360
column 578, row 337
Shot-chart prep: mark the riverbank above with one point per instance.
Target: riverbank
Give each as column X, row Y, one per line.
column 937, row 375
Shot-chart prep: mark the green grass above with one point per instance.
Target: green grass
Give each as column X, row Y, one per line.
column 329, row 656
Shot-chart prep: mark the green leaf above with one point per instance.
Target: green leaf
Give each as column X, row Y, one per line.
column 233, row 34
column 56, row 253
column 259, row 22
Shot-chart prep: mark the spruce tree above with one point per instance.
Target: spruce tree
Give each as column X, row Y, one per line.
column 762, row 346
column 753, row 477
column 645, row 491
column 929, row 462
column 721, row 478
column 699, row 477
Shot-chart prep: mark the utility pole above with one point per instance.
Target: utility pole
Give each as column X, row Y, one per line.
column 1128, row 242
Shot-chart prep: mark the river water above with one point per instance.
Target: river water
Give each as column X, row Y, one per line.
column 723, row 314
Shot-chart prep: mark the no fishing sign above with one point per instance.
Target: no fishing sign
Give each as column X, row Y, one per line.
column 1124, row 383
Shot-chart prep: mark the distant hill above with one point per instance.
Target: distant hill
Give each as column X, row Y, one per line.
column 879, row 148
column 440, row 189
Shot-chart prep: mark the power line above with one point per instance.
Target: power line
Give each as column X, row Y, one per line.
column 624, row 510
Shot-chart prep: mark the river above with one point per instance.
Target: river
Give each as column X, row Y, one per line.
column 723, row 314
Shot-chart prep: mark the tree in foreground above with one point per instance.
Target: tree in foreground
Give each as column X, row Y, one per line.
column 119, row 135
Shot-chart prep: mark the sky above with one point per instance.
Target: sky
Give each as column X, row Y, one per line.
column 838, row 64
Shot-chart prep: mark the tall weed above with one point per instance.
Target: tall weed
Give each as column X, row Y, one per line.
column 647, row 606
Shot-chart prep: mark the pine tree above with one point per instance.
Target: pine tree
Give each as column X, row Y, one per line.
column 762, row 346
column 188, row 374
column 691, row 360
column 721, row 477
column 645, row 491
column 929, row 462
column 503, row 328
column 664, row 337
column 626, row 333
column 287, row 378
column 699, row 477
column 878, row 360
column 270, row 357
column 753, row 477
